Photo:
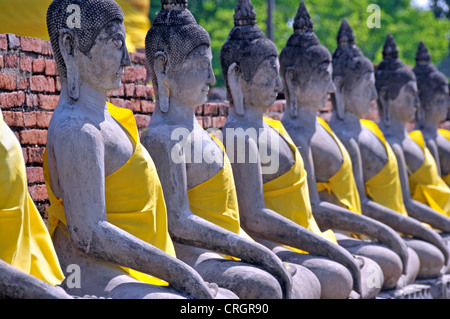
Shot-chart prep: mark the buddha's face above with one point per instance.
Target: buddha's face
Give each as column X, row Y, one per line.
column 103, row 67
column 313, row 83
column 359, row 97
column 405, row 105
column 437, row 105
column 190, row 84
column 262, row 90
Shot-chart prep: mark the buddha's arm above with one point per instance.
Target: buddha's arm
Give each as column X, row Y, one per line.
column 331, row 216
column 80, row 165
column 17, row 284
column 266, row 224
column 432, row 146
column 189, row 229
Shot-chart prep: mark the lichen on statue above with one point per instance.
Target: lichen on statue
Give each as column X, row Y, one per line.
column 203, row 216
column 107, row 212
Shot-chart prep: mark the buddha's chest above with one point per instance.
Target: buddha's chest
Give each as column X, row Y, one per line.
column 413, row 153
column 374, row 156
column 443, row 145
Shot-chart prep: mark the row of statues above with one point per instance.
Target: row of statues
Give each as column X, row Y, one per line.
column 337, row 210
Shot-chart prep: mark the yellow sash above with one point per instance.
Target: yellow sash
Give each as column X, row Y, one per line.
column 342, row 184
column 446, row 134
column 385, row 187
column 426, row 186
column 216, row 200
column 288, row 194
column 133, row 195
column 24, row 240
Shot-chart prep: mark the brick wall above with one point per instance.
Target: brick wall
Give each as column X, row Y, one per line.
column 29, row 92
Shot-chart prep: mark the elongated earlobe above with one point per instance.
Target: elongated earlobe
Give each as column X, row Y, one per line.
column 163, row 85
column 383, row 107
column 338, row 98
column 234, row 82
column 291, row 98
column 67, row 48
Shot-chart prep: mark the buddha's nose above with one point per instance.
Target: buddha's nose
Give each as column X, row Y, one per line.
column 126, row 59
column 331, row 87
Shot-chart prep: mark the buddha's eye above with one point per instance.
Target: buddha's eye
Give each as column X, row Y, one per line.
column 203, row 65
column 118, row 43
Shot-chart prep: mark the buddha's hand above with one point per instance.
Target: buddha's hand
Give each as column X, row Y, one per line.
column 282, row 272
column 192, row 284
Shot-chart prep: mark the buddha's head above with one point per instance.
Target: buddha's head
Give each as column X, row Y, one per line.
column 398, row 96
column 353, row 75
column 305, row 66
column 433, row 89
column 249, row 63
column 179, row 57
column 88, row 41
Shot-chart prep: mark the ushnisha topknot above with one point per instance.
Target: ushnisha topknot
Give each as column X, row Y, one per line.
column 303, row 47
column 176, row 33
column 349, row 61
column 429, row 79
column 247, row 46
column 94, row 15
column 392, row 74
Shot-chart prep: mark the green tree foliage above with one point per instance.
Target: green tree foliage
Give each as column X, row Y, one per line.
column 407, row 24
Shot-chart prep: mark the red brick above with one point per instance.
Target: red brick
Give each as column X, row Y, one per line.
column 43, row 119
column 11, row 61
column 142, row 120
column 50, row 67
column 200, row 120
column 22, row 84
column 29, row 119
column 147, row 106
column 13, row 119
column 199, row 110
column 35, row 45
column 38, row 66
column 35, row 155
column 58, row 84
column 1, row 62
column 118, row 92
column 223, row 109
column 130, row 89
column 26, row 63
column 33, row 137
column 138, row 58
column 8, row 82
column 40, row 83
column 48, row 102
column 207, row 122
column 144, row 91
column 3, row 42
column 117, row 102
column 134, row 105
column 8, row 100
column 35, row 175
column 210, row 109
column 132, row 74
column 219, row 121
column 25, row 154
column 38, row 192
column 32, row 100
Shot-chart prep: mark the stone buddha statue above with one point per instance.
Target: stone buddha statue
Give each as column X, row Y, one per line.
column 29, row 267
column 195, row 172
column 306, row 71
column 434, row 101
column 375, row 166
column 107, row 214
column 269, row 172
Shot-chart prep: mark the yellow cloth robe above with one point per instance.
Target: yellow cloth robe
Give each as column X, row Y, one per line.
column 216, row 200
column 446, row 134
column 133, row 196
column 288, row 194
column 342, row 184
column 426, row 186
column 24, row 239
column 385, row 187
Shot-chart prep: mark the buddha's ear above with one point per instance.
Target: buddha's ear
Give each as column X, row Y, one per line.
column 67, row 44
column 234, row 82
column 338, row 98
column 160, row 68
column 383, row 106
column 420, row 115
column 292, row 99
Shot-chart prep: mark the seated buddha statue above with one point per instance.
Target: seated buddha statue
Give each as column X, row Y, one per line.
column 195, row 172
column 434, row 104
column 269, row 171
column 29, row 267
column 107, row 213
column 306, row 70
column 377, row 169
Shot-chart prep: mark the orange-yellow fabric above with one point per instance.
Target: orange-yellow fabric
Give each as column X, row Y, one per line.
column 24, row 239
column 385, row 187
column 446, row 134
column 216, row 200
column 426, row 186
column 342, row 184
column 133, row 196
column 288, row 194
